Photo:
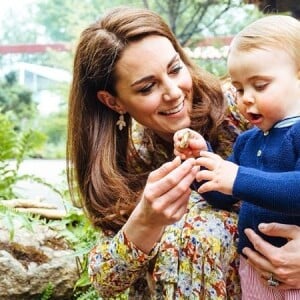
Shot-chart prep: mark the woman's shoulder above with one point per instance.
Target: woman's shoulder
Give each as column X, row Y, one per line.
column 232, row 114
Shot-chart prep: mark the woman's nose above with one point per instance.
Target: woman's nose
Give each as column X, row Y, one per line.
column 171, row 90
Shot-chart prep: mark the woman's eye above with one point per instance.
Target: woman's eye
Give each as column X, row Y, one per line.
column 176, row 69
column 147, row 88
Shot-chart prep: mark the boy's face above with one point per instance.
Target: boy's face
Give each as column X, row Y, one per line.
column 267, row 83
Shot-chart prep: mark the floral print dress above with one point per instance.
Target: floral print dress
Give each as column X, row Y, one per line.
column 196, row 257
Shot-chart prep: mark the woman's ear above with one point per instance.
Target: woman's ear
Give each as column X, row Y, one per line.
column 109, row 100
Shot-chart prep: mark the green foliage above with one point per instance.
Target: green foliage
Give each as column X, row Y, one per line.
column 78, row 231
column 215, row 66
column 18, row 28
column 48, row 292
column 82, row 236
column 16, row 100
column 63, row 21
column 10, row 217
column 14, row 148
column 89, row 294
column 54, row 126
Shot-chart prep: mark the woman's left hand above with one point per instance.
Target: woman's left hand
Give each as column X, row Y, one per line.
column 283, row 263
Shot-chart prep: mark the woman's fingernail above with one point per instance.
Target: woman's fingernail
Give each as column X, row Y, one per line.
column 262, row 226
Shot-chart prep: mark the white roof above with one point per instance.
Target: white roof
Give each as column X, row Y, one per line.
column 54, row 74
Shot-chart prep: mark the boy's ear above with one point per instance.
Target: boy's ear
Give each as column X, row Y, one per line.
column 110, row 101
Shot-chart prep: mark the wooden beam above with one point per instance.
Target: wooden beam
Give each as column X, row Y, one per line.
column 33, row 48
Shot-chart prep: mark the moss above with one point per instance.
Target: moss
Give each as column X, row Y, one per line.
column 57, row 244
column 24, row 254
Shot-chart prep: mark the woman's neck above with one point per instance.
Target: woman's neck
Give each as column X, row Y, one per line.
column 167, row 137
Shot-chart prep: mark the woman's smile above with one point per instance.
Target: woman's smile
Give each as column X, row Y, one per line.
column 174, row 110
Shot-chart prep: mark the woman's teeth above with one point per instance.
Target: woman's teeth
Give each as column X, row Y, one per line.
column 175, row 110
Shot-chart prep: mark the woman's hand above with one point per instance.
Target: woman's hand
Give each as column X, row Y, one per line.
column 163, row 202
column 282, row 262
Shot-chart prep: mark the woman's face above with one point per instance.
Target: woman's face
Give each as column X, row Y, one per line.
column 154, row 86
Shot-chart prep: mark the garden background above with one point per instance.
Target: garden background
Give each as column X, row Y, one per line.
column 37, row 42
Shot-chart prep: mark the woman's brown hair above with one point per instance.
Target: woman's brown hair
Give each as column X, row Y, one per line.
column 97, row 151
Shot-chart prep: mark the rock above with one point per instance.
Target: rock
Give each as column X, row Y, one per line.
column 31, row 260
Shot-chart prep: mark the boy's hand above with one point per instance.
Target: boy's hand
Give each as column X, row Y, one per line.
column 219, row 174
column 188, row 143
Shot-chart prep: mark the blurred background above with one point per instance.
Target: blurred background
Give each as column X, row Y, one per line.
column 38, row 39
column 37, row 42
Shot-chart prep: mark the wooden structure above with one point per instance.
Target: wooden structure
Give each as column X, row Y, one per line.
column 33, row 48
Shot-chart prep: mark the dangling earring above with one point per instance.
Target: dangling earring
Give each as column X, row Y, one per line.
column 121, row 122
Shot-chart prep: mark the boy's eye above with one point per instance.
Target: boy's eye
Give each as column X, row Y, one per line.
column 260, row 86
column 236, row 90
column 239, row 91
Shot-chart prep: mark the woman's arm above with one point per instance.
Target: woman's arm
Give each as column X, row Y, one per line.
column 115, row 263
column 283, row 262
column 163, row 202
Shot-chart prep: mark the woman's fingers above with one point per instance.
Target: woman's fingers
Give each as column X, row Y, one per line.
column 260, row 263
column 168, row 187
column 177, row 208
column 261, row 245
column 175, row 188
column 280, row 230
column 282, row 261
column 164, row 170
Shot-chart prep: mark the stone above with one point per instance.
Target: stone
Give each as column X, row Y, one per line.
column 30, row 260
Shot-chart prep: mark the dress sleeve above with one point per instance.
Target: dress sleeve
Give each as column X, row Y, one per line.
column 115, row 263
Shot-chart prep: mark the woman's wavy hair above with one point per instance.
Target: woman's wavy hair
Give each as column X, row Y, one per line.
column 99, row 175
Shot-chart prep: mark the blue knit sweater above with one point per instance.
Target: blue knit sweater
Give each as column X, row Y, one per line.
column 268, row 179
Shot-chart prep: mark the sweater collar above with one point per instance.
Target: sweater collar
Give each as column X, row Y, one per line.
column 287, row 122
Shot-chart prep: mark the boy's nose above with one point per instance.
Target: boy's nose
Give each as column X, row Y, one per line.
column 248, row 98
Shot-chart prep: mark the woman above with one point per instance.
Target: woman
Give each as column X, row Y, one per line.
column 133, row 87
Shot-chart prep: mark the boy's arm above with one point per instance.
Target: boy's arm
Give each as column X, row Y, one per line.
column 215, row 180
column 275, row 191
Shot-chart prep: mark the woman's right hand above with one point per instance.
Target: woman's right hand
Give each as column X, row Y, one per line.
column 163, row 202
